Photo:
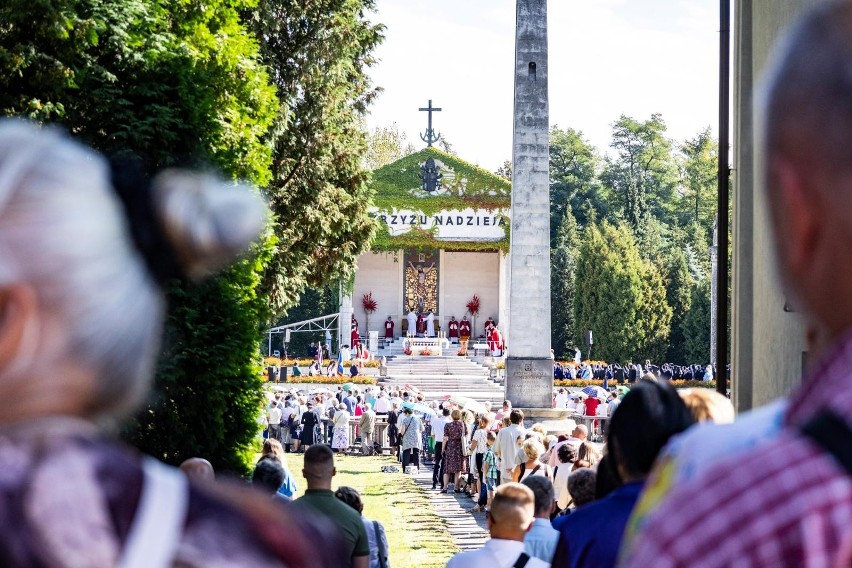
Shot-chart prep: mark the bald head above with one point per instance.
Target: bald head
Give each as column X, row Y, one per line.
column 198, row 469
column 512, row 512
column 809, row 91
column 808, row 138
column 581, row 432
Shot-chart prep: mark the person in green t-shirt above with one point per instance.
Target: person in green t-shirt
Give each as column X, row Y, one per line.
column 318, row 471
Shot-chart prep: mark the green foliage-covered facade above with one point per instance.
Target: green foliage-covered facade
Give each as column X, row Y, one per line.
column 398, row 187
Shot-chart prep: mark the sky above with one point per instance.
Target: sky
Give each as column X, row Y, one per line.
column 606, row 58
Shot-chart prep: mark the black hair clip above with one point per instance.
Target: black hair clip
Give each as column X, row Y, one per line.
column 132, row 185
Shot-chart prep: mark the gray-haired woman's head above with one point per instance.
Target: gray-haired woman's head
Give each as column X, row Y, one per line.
column 65, row 237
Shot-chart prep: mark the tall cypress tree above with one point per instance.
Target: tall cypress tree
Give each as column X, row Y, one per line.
column 562, row 287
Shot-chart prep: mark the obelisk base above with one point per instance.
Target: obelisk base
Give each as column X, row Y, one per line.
column 529, row 382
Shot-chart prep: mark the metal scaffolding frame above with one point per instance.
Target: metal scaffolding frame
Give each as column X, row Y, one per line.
column 325, row 324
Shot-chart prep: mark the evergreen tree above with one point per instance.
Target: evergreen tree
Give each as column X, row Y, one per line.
column 608, row 291
column 696, row 325
column 679, row 284
column 620, row 297
column 317, row 53
column 655, row 316
column 562, row 287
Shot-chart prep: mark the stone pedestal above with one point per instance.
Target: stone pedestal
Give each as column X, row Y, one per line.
column 529, row 382
column 555, row 421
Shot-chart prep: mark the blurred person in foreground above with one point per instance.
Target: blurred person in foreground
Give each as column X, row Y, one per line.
column 510, row 518
column 707, row 405
column 775, row 487
column 198, row 469
column 86, row 249
column 650, row 414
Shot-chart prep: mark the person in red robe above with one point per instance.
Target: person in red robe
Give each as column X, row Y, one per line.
column 355, row 338
column 489, row 327
column 453, row 328
column 464, row 328
column 421, row 323
column 389, row 328
column 496, row 342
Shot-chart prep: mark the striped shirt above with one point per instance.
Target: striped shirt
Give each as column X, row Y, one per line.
column 785, row 503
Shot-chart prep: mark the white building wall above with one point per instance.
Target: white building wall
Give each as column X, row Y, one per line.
column 466, row 274
column 379, row 273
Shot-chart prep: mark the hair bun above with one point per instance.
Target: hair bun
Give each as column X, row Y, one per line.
column 207, row 222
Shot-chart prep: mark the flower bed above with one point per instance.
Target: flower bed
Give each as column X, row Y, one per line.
column 276, row 362
column 317, row 380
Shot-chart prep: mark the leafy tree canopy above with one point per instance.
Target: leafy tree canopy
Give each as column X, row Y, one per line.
column 574, row 168
column 641, row 178
column 386, row 144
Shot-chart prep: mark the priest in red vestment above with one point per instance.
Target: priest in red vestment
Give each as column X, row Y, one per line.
column 464, row 328
column 453, row 328
column 389, row 328
column 489, row 326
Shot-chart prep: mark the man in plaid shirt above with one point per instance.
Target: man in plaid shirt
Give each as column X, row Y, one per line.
column 781, row 495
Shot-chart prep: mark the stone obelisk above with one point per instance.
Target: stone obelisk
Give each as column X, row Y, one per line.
column 529, row 368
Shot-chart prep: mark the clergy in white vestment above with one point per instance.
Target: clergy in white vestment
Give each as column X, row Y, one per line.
column 430, row 325
column 412, row 323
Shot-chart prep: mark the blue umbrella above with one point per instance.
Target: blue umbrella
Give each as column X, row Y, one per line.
column 422, row 409
column 595, row 391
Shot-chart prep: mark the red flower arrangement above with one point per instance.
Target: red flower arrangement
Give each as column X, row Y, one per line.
column 473, row 310
column 370, row 305
column 473, row 306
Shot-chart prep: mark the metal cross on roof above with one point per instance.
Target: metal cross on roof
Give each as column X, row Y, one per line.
column 430, row 137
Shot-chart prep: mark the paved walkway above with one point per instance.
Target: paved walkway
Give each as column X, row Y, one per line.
column 468, row 530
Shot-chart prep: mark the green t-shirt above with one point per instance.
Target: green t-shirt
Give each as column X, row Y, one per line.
column 345, row 517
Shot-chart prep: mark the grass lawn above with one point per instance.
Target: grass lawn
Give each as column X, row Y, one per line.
column 416, row 535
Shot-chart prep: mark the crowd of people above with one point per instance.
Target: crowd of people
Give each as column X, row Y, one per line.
column 631, row 372
column 563, row 500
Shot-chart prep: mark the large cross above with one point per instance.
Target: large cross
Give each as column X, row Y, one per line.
column 430, row 137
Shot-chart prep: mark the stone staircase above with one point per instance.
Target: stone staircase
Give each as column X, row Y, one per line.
column 440, row 376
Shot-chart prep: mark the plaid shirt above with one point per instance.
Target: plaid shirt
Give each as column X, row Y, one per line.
column 491, row 460
column 785, row 503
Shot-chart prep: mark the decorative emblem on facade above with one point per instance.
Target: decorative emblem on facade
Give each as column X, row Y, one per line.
column 430, row 176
